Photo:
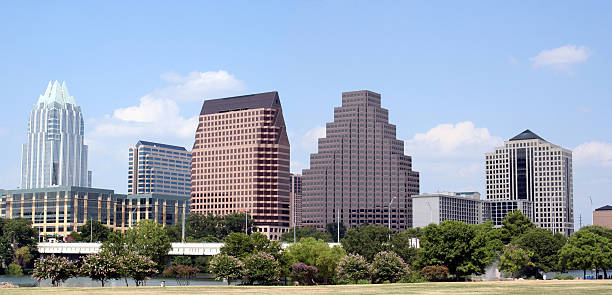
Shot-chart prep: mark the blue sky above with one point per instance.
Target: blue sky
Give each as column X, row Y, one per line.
column 458, row 78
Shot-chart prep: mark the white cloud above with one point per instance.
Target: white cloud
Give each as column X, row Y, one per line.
column 149, row 110
column 310, row 140
column 584, row 109
column 593, row 153
column 197, row 86
column 561, row 58
column 453, row 140
column 304, row 145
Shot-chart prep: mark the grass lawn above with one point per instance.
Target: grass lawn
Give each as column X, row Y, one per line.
column 455, row 288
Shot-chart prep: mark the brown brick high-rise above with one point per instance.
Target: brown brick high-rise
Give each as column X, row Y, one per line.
column 240, row 161
column 359, row 169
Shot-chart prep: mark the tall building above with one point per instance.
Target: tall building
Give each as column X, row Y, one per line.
column 296, row 200
column 530, row 168
column 603, row 216
column 159, row 168
column 436, row 208
column 55, row 153
column 240, row 161
column 360, row 171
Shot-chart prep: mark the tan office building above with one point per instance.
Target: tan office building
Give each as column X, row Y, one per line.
column 603, row 216
column 240, row 161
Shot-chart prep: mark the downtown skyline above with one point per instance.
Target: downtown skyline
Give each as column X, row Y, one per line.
column 452, row 95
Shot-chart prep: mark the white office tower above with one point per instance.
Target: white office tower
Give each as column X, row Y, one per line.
column 529, row 168
column 55, row 153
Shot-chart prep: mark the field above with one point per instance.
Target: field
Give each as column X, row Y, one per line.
column 508, row 287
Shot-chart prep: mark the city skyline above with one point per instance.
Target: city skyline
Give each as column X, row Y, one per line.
column 462, row 85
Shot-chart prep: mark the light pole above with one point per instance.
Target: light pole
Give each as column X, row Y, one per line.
column 294, row 225
column 338, row 225
column 91, row 231
column 183, row 226
column 246, row 222
column 390, row 216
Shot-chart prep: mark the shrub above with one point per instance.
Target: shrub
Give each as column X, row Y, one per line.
column 388, row 266
column 225, row 267
column 101, row 267
column 182, row 273
column 435, row 273
column 353, row 268
column 58, row 269
column 15, row 270
column 261, row 268
column 304, row 274
column 559, row 276
column 364, row 282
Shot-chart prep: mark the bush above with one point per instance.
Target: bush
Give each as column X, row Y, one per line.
column 354, row 268
column 261, row 268
column 15, row 270
column 58, row 269
column 414, row 277
column 559, row 276
column 182, row 273
column 225, row 267
column 364, row 282
column 435, row 273
column 388, row 266
column 304, row 274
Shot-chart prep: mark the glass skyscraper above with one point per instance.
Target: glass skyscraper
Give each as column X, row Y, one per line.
column 55, row 153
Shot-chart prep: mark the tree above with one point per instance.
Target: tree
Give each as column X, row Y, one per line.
column 15, row 270
column 240, row 245
column 515, row 259
column 261, row 268
column 305, row 232
column 544, row 247
column 58, row 269
column 115, row 244
column 209, row 228
column 514, row 225
column 23, row 256
column 435, row 273
column 332, row 229
column 235, row 223
column 304, row 274
column 182, row 273
column 225, row 267
column 148, row 238
column 14, row 234
column 92, row 230
column 602, row 232
column 585, row 250
column 353, row 268
column 366, row 240
column 137, row 267
column 101, row 267
column 388, row 266
column 401, row 244
column 316, row 253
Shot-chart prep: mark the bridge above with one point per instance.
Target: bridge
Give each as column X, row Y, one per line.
column 178, row 249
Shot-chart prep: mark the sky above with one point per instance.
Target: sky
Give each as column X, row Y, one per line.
column 458, row 77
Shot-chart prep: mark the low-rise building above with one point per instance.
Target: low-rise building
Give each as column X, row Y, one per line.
column 603, row 216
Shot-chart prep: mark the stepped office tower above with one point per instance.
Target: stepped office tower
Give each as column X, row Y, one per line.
column 360, row 168
column 529, row 168
column 55, row 153
column 240, row 161
column 159, row 168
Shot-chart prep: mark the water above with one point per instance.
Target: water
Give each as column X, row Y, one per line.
column 27, row 281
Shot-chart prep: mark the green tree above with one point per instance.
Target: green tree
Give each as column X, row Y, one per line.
column 14, row 234
column 148, row 238
column 514, row 260
column 101, row 267
column 317, row 253
column 240, row 245
column 15, row 270
column 23, row 256
column 388, row 266
column 366, row 240
column 305, row 232
column 606, row 233
column 485, row 245
column 261, row 268
column 401, row 244
column 235, row 223
column 544, row 247
column 514, row 225
column 353, row 268
column 92, row 230
column 115, row 244
column 225, row 267
column 332, row 229
column 585, row 250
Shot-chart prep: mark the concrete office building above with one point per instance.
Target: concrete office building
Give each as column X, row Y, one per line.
column 360, row 171
column 240, row 161
column 55, row 153
column 528, row 168
column 497, row 210
column 296, row 200
column 57, row 211
column 603, row 216
column 436, row 208
column 159, row 168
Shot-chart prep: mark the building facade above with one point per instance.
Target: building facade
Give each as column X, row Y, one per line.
column 528, row 168
column 603, row 216
column 55, row 153
column 58, row 211
column 497, row 210
column 240, row 161
column 436, row 208
column 296, row 200
column 159, row 168
column 360, row 172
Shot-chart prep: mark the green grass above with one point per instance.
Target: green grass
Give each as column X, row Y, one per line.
column 455, row 288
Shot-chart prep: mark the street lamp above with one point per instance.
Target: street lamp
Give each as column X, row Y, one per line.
column 390, row 216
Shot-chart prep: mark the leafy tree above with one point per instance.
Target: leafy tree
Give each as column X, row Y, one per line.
column 101, row 267
column 240, row 245
column 586, row 250
column 115, row 244
column 435, row 273
column 23, row 256
column 182, row 273
column 486, row 245
column 209, row 228
column 235, row 223
column 225, row 267
column 515, row 259
column 58, row 269
column 514, row 225
column 15, row 270
column 354, row 268
column 304, row 274
column 148, row 238
column 366, row 240
column 388, row 266
column 92, row 230
column 606, row 233
column 400, row 244
column 14, row 234
column 332, row 229
column 305, row 232
column 261, row 268
column 316, row 253
column 544, row 246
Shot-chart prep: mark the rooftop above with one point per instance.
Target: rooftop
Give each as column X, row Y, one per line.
column 56, row 93
column 604, row 208
column 162, row 145
column 243, row 102
column 526, row 135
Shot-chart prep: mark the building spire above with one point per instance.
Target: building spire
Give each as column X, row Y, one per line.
column 56, row 93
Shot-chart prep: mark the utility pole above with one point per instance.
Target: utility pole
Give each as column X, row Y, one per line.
column 338, row 226
column 91, row 231
column 294, row 225
column 246, row 222
column 183, row 226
